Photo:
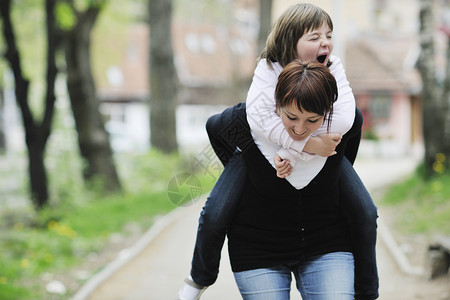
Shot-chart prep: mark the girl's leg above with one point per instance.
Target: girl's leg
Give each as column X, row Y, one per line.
column 229, row 132
column 361, row 213
column 352, row 144
column 265, row 284
column 214, row 219
column 226, row 132
column 214, row 127
column 326, row 277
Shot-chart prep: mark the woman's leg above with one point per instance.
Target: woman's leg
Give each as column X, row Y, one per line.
column 361, row 213
column 265, row 284
column 326, row 277
column 214, row 219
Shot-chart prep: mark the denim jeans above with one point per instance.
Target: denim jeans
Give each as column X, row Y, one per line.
column 220, row 206
column 214, row 219
column 361, row 213
column 325, row 277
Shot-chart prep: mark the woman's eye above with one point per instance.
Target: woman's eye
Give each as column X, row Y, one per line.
column 313, row 121
column 291, row 118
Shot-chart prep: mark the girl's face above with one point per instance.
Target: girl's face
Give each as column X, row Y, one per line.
column 316, row 45
column 299, row 124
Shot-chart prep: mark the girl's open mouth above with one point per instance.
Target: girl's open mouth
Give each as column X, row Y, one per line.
column 321, row 58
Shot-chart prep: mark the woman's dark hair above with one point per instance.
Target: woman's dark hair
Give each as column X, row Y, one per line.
column 309, row 85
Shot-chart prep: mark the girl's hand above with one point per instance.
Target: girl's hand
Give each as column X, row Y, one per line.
column 324, row 144
column 282, row 166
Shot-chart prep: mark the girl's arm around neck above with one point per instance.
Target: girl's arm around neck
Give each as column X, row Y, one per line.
column 265, row 123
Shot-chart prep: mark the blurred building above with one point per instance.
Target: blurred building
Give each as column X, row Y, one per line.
column 377, row 40
column 214, row 64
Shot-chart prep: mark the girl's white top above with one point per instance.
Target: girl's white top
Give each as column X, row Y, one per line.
column 269, row 133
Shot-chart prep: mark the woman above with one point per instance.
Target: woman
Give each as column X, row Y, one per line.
column 279, row 229
column 307, row 29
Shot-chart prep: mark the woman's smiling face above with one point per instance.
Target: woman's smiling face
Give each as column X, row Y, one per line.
column 299, row 124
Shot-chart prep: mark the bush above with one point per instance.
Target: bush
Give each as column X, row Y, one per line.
column 38, row 247
column 422, row 205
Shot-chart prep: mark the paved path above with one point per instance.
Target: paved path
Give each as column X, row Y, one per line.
column 155, row 268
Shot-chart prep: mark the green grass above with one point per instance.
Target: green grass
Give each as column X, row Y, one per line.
column 421, row 206
column 37, row 246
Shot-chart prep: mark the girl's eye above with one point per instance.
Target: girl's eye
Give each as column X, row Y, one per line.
column 291, row 118
column 313, row 121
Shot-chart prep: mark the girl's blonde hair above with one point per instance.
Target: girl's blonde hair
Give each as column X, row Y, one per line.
column 281, row 44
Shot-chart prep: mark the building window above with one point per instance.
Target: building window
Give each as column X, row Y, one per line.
column 380, row 106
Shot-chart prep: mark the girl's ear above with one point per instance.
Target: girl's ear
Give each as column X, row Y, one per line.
column 277, row 111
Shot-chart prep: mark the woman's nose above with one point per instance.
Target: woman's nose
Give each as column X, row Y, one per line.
column 299, row 127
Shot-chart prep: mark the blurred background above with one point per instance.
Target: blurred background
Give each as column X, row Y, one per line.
column 104, row 102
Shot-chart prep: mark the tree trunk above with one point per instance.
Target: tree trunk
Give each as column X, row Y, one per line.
column 2, row 129
column 36, row 143
column 36, row 136
column 93, row 139
column 265, row 22
column 433, row 103
column 163, row 78
column 446, row 100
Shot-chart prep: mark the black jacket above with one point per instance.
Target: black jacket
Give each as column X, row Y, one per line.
column 276, row 223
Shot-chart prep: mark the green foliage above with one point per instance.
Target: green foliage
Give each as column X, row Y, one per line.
column 35, row 246
column 370, row 135
column 28, row 19
column 65, row 16
column 422, row 205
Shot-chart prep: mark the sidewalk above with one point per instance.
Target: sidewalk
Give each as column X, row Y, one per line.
column 156, row 266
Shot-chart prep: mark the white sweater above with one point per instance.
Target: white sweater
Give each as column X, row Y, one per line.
column 269, row 133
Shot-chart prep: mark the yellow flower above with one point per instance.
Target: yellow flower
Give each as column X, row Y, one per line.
column 440, row 157
column 62, row 229
column 52, row 225
column 25, row 263
column 3, row 280
column 438, row 167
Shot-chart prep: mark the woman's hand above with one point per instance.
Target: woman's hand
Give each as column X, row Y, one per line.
column 324, row 144
column 282, row 166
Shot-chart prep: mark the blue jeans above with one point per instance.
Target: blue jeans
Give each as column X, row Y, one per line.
column 220, row 206
column 214, row 219
column 326, row 277
column 361, row 214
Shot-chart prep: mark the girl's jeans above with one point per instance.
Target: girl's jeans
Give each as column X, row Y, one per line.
column 220, row 206
column 325, row 277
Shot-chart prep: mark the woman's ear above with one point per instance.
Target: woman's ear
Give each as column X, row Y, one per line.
column 277, row 111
